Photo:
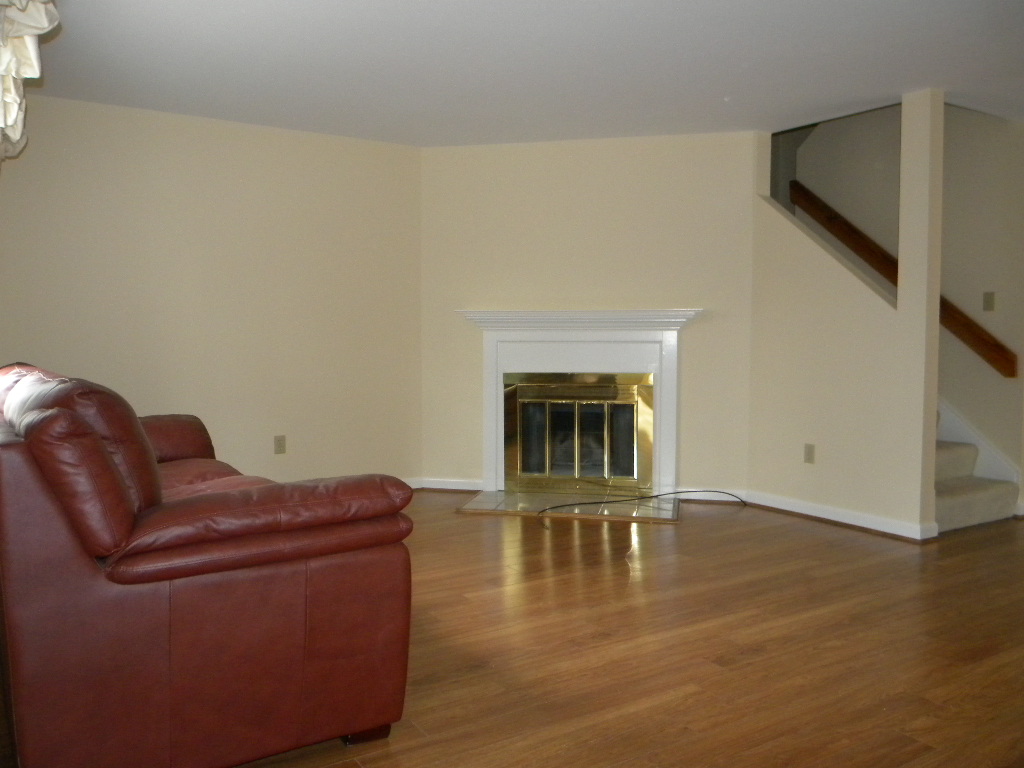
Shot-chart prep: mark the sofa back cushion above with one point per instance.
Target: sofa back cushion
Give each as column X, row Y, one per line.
column 82, row 475
column 105, row 412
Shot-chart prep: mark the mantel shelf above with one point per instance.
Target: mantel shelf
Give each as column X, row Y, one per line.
column 612, row 319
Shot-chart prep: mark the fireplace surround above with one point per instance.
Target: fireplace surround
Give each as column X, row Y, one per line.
column 637, row 342
column 579, row 432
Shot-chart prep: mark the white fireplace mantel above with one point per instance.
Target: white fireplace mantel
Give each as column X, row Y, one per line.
column 568, row 320
column 591, row 341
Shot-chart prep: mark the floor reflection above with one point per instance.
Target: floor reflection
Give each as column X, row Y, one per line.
column 578, row 506
column 559, row 563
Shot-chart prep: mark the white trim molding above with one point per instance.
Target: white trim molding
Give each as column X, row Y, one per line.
column 443, row 484
column 568, row 320
column 901, row 528
column 593, row 341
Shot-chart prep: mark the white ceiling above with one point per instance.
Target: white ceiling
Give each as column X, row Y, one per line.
column 448, row 72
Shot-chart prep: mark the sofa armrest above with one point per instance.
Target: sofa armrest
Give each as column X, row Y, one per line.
column 265, row 509
column 260, row 549
column 178, row 436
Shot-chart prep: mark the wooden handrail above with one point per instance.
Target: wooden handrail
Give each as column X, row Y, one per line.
column 953, row 319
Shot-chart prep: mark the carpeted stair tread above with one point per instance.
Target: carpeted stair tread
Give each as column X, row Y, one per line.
column 968, row 500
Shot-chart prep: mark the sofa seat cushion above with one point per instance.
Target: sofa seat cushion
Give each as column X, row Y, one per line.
column 263, row 509
column 192, row 471
column 216, row 485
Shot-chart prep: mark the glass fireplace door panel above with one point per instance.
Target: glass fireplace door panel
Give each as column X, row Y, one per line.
column 534, row 438
column 592, row 439
column 580, row 431
column 622, row 440
column 562, row 420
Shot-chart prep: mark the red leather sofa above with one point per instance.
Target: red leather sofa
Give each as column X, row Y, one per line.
column 162, row 610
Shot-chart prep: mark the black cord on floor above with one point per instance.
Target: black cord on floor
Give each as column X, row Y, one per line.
column 635, row 498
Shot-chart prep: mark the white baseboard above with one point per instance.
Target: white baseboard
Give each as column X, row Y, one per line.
column 821, row 511
column 689, row 494
column 445, row 484
column 866, row 520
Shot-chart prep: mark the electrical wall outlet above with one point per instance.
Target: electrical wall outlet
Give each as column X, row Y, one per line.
column 279, row 444
column 808, row 453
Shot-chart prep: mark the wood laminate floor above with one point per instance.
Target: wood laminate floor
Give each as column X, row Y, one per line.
column 736, row 637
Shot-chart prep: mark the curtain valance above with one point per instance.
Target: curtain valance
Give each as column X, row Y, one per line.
column 21, row 23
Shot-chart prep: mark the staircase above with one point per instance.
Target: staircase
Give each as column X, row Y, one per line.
column 961, row 498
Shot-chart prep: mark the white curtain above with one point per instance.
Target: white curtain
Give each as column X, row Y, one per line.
column 21, row 23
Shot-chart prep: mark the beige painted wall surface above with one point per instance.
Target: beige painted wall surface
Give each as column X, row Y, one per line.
column 614, row 224
column 853, row 163
column 265, row 280
column 825, row 372
column 982, row 251
column 835, row 365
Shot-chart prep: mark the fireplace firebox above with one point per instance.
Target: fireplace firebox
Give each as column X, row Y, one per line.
column 571, row 432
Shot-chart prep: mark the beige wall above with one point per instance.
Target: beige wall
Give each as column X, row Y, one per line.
column 982, row 251
column 658, row 222
column 286, row 283
column 854, row 164
column 837, row 366
column 265, row 280
column 826, row 371
column 270, row 281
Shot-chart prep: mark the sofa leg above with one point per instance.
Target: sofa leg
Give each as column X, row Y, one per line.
column 371, row 734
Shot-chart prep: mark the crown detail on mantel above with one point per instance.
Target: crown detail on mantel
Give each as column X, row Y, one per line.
column 611, row 319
